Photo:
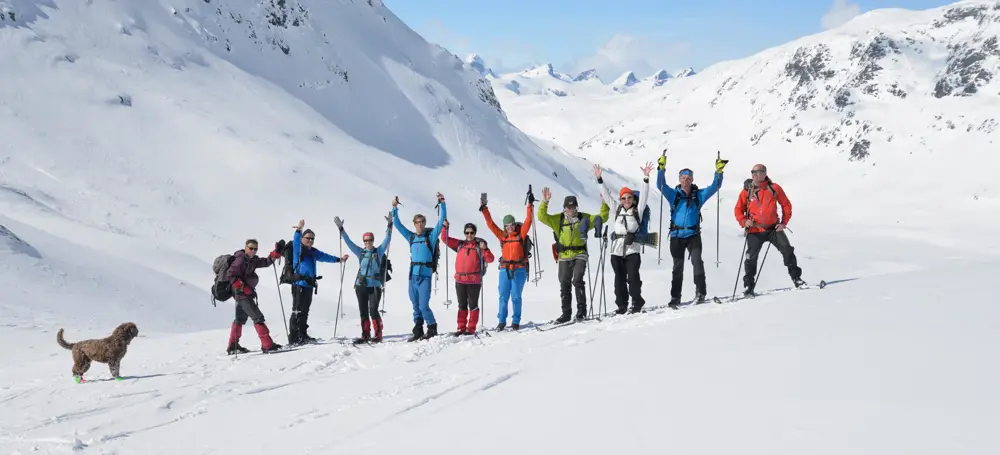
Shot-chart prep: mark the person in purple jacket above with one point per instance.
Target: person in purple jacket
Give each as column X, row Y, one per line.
column 304, row 259
column 242, row 274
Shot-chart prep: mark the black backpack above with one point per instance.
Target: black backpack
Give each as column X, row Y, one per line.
column 288, row 274
column 435, row 253
column 222, row 289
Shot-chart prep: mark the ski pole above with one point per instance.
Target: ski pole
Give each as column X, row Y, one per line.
column 746, row 237
column 529, row 198
column 604, row 249
column 385, row 271
column 447, row 275
column 280, row 300
column 718, row 212
column 770, row 238
column 659, row 245
column 340, row 296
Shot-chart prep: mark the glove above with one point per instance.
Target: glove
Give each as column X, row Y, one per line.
column 274, row 254
column 339, row 222
column 531, row 198
column 482, row 202
column 388, row 220
column 239, row 287
column 661, row 163
column 720, row 165
column 280, row 245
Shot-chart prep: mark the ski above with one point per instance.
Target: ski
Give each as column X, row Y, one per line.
column 804, row 287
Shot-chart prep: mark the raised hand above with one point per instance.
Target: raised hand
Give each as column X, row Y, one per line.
column 300, row 225
column 395, row 201
column 339, row 222
column 720, row 164
column 482, row 201
column 647, row 168
column 546, row 194
column 445, row 223
column 661, row 162
column 344, row 257
column 440, row 197
column 598, row 171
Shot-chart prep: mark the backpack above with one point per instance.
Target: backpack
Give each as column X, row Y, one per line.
column 287, row 270
column 692, row 199
column 526, row 245
column 558, row 247
column 222, row 289
column 435, row 253
column 643, row 220
column 384, row 266
column 482, row 259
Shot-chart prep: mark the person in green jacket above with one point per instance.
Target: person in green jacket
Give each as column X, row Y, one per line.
column 570, row 230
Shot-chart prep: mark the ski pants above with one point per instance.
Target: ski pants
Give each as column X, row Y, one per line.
column 780, row 241
column 679, row 246
column 302, row 297
column 369, row 298
column 571, row 274
column 468, row 295
column 246, row 308
column 627, row 281
column 511, row 287
column 420, row 297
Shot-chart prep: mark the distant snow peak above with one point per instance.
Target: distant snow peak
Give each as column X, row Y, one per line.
column 627, row 79
column 686, row 72
column 545, row 70
column 476, row 62
column 587, row 75
column 660, row 77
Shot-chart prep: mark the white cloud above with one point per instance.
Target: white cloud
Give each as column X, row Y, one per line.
column 642, row 55
column 839, row 14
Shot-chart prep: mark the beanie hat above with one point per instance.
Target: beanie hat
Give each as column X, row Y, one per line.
column 367, row 235
column 508, row 219
column 468, row 226
column 569, row 202
column 625, row 190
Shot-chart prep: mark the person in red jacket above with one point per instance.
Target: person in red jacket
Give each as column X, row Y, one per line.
column 242, row 274
column 757, row 212
column 471, row 256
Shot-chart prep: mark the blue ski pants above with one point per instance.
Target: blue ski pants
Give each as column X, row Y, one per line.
column 420, row 297
column 511, row 286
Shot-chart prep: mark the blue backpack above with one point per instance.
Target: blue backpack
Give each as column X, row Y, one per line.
column 644, row 221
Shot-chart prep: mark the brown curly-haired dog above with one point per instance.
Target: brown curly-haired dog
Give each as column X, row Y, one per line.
column 110, row 350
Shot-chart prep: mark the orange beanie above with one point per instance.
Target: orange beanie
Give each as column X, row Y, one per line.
column 625, row 190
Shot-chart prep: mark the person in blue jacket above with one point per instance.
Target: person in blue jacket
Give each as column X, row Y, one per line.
column 423, row 243
column 368, row 284
column 304, row 258
column 686, row 201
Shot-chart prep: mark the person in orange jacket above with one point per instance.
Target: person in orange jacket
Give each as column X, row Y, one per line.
column 757, row 212
column 513, row 260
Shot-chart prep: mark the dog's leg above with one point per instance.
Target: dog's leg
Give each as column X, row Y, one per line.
column 115, row 367
column 81, row 363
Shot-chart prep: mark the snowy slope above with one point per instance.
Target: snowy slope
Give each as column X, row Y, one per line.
column 888, row 120
column 142, row 139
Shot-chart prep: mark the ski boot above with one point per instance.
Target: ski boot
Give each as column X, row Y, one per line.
column 799, row 282
column 432, row 331
column 565, row 318
column 501, row 326
column 274, row 347
column 418, row 331
column 235, row 348
column 515, row 326
column 674, row 303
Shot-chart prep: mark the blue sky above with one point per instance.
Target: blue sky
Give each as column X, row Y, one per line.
column 614, row 36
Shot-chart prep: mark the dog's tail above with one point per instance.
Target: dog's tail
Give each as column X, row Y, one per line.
column 62, row 342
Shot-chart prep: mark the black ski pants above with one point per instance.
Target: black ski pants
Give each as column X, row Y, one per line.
column 369, row 298
column 468, row 296
column 247, row 308
column 780, row 241
column 571, row 275
column 627, row 281
column 298, row 323
column 678, row 247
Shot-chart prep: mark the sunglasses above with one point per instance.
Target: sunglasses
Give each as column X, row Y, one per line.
column 627, row 198
column 470, row 232
column 369, row 240
column 253, row 248
column 308, row 238
column 758, row 171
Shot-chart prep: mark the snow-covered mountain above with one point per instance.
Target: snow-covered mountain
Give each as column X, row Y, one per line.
column 142, row 139
column 476, row 63
column 895, row 102
column 544, row 80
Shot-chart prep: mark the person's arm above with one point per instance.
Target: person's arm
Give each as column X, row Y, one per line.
column 741, row 208
column 296, row 249
column 350, row 244
column 712, row 189
column 528, row 219
column 643, row 195
column 547, row 219
column 488, row 255
column 450, row 242
column 786, row 204
column 491, row 225
column 661, row 184
column 403, row 231
column 609, row 196
column 439, row 227
column 385, row 242
column 323, row 257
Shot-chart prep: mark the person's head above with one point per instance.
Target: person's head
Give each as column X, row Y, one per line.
column 759, row 173
column 627, row 198
column 308, row 238
column 685, row 177
column 470, row 231
column 250, row 247
column 570, row 206
column 369, row 239
column 419, row 223
column 508, row 223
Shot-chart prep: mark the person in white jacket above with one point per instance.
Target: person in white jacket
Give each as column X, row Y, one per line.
column 625, row 257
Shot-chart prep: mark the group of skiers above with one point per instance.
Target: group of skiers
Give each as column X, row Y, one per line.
column 756, row 211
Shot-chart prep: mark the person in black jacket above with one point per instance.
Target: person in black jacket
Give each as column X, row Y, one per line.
column 242, row 274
